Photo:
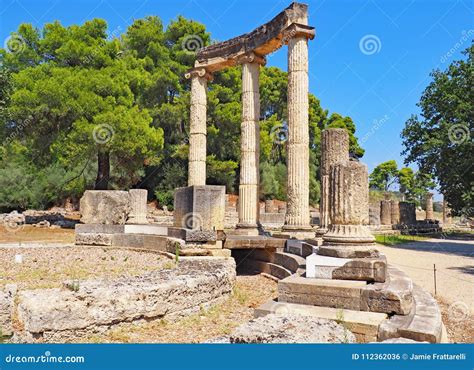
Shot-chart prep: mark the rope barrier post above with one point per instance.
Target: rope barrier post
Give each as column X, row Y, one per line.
column 434, row 275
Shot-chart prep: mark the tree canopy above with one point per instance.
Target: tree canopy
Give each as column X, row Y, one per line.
column 440, row 141
column 81, row 108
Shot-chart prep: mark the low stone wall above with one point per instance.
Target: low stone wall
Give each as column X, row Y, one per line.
column 83, row 308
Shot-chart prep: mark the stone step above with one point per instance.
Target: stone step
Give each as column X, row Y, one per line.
column 289, row 261
column 364, row 325
column 269, row 268
column 423, row 323
column 300, row 248
column 366, row 269
column 251, row 242
column 392, row 297
column 151, row 229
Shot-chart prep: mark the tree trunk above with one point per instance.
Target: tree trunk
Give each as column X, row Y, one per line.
column 103, row 171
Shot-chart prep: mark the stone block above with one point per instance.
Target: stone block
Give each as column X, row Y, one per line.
column 7, row 304
column 299, row 247
column 200, row 207
column 321, row 292
column 393, row 296
column 93, row 239
column 109, row 207
column 364, row 325
column 349, row 251
column 193, row 235
column 251, row 242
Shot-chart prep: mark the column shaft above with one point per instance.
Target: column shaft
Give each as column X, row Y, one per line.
column 297, row 214
column 198, row 131
column 250, row 146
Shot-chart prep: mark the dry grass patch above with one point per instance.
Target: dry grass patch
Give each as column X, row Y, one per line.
column 48, row 267
column 29, row 233
column 249, row 293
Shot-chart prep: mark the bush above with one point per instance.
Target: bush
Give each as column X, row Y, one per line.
column 165, row 198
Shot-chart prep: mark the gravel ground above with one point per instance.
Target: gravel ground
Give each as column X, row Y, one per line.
column 454, row 260
column 48, row 267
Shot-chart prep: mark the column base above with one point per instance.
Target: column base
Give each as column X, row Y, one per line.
column 247, row 229
column 299, row 231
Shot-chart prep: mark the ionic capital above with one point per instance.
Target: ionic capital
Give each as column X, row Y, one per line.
column 198, row 72
column 298, row 30
column 251, row 57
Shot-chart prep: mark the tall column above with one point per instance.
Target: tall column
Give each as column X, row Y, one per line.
column 385, row 212
column 395, row 212
column 429, row 206
column 198, row 130
column 297, row 214
column 334, row 149
column 446, row 213
column 250, row 145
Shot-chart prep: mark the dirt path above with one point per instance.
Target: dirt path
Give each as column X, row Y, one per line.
column 454, row 260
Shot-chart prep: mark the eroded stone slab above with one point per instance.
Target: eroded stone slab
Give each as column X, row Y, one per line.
column 54, row 314
column 291, row 328
column 109, row 207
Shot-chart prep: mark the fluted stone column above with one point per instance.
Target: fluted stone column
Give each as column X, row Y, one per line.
column 394, row 212
column 446, row 213
column 198, row 129
column 429, row 206
column 407, row 213
column 297, row 219
column 385, row 212
column 138, row 198
column 250, row 144
column 334, row 149
column 349, row 202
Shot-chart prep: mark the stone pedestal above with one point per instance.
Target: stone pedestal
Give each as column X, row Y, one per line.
column 138, row 208
column 385, row 212
column 106, row 207
column 297, row 214
column 200, row 207
column 394, row 212
column 250, row 145
column 407, row 213
column 349, row 200
column 197, row 130
column 429, row 206
column 374, row 214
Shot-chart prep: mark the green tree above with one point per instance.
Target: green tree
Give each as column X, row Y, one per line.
column 384, row 175
column 440, row 140
column 79, row 95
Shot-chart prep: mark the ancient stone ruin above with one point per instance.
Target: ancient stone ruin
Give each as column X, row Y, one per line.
column 334, row 272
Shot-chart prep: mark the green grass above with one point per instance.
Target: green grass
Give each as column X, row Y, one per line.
column 398, row 239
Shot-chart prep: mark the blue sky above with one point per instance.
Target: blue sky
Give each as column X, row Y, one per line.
column 378, row 88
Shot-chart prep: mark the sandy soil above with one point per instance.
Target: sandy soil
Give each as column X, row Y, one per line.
column 454, row 260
